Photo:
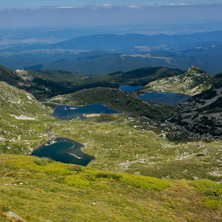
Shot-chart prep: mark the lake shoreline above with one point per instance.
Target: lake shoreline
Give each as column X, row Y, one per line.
column 61, row 154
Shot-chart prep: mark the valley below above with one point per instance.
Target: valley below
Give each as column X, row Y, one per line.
column 142, row 161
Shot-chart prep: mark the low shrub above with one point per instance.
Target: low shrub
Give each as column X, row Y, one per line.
column 4, row 208
column 107, row 175
column 88, row 176
column 100, row 186
column 212, row 192
column 77, row 181
column 42, row 161
column 38, row 165
column 213, row 204
column 148, row 183
column 207, row 187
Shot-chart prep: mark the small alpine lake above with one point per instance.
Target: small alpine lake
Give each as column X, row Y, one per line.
column 166, row 98
column 128, row 88
column 63, row 150
column 67, row 112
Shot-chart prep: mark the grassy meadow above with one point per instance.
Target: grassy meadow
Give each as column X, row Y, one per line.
column 42, row 190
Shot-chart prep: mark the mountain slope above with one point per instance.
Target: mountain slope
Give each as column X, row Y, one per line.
column 201, row 115
column 41, row 88
column 48, row 83
column 118, row 142
column 10, row 76
column 19, row 102
column 192, row 82
column 138, row 76
column 23, row 120
column 62, row 192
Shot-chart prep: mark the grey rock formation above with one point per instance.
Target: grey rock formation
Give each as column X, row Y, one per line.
column 200, row 117
column 11, row 214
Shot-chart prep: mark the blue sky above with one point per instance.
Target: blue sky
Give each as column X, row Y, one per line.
column 80, row 3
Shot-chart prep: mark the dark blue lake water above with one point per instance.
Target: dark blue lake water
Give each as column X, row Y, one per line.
column 66, row 112
column 64, row 150
column 166, row 98
column 128, row 88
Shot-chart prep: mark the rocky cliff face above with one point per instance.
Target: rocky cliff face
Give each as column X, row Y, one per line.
column 200, row 116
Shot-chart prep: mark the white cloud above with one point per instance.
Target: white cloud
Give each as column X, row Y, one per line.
column 180, row 4
column 134, row 6
column 65, row 7
column 107, row 5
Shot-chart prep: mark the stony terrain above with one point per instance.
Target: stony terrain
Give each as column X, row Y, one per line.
column 200, row 117
column 22, row 119
column 192, row 82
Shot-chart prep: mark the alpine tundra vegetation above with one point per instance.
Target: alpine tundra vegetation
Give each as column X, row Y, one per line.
column 131, row 151
column 111, row 111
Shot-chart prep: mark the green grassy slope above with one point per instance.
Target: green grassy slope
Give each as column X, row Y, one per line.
column 41, row 190
column 22, row 119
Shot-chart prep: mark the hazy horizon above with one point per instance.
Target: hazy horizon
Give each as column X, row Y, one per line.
column 103, row 3
column 107, row 14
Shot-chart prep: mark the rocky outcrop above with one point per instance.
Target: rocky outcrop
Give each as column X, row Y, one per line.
column 199, row 117
column 192, row 82
column 10, row 214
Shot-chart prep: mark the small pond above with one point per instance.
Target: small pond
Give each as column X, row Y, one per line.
column 64, row 150
column 166, row 98
column 66, row 112
column 128, row 88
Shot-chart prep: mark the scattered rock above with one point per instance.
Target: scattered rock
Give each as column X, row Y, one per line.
column 11, row 214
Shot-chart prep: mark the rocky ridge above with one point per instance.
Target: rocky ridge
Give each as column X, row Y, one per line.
column 192, row 82
column 200, row 117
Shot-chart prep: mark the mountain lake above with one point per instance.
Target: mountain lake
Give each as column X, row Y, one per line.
column 166, row 98
column 63, row 150
column 66, row 112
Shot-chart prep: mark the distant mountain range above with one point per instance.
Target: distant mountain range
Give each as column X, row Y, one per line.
column 106, row 53
column 125, row 43
column 108, row 63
